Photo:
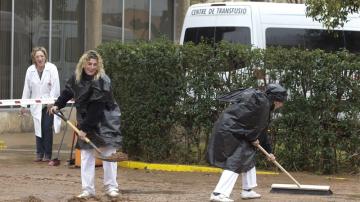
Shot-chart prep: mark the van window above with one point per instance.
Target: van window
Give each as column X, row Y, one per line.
column 313, row 39
column 239, row 35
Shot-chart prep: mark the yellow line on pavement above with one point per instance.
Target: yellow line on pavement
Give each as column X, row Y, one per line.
column 2, row 145
column 336, row 178
column 178, row 168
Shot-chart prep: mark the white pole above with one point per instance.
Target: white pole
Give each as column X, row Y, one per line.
column 12, row 49
column 50, row 30
column 150, row 19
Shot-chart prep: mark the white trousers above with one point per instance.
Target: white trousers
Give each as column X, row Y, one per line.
column 88, row 170
column 228, row 179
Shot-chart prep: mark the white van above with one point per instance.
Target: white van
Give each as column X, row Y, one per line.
column 263, row 24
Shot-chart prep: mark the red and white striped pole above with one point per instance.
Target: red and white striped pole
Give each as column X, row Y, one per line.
column 19, row 102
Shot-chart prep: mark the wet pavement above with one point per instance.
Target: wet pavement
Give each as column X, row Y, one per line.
column 21, row 179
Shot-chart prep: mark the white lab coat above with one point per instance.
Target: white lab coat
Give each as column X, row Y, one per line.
column 47, row 87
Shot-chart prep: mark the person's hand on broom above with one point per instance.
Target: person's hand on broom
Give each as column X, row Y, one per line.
column 255, row 143
column 48, row 108
column 82, row 135
column 271, row 156
column 53, row 109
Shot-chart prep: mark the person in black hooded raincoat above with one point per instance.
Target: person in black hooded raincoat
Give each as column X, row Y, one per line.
column 238, row 130
column 98, row 118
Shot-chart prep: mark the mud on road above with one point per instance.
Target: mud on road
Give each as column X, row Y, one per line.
column 21, row 179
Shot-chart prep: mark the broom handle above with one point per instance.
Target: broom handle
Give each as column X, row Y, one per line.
column 87, row 140
column 278, row 165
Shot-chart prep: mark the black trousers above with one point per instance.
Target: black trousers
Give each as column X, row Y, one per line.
column 45, row 142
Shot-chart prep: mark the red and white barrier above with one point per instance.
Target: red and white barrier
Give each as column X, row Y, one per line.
column 19, row 102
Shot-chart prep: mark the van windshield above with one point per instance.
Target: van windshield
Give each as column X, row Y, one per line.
column 213, row 35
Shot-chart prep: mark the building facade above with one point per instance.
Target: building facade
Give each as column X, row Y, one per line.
column 67, row 28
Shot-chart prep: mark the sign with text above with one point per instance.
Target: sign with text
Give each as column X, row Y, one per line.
column 219, row 11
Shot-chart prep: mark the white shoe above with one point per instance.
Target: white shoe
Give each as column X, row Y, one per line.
column 85, row 195
column 220, row 198
column 113, row 193
column 249, row 194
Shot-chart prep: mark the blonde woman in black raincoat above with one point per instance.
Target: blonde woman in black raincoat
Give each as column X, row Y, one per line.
column 235, row 135
column 98, row 118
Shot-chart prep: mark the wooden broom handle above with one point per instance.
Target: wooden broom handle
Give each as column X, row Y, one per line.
column 87, row 140
column 77, row 131
column 278, row 165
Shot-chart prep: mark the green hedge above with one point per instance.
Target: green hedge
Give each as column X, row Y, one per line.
column 166, row 93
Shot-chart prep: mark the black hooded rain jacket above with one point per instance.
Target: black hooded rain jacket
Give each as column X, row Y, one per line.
column 98, row 114
column 241, row 123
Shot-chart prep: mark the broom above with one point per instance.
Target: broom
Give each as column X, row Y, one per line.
column 115, row 157
column 56, row 161
column 296, row 188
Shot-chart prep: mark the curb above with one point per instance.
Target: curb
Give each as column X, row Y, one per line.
column 178, row 168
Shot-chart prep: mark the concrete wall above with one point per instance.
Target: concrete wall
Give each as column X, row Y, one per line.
column 12, row 122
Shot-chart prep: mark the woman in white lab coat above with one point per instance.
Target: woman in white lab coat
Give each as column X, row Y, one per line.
column 42, row 81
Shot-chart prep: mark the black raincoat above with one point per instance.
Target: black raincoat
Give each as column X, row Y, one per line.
column 98, row 114
column 240, row 124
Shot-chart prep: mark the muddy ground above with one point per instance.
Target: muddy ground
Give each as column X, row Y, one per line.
column 21, row 179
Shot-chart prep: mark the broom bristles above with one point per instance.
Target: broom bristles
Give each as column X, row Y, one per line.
column 115, row 157
column 303, row 189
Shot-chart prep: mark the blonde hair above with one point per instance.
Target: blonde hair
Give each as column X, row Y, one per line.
column 91, row 54
column 36, row 49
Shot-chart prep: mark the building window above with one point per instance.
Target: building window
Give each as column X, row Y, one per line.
column 112, row 15
column 5, row 44
column 67, row 36
column 30, row 15
column 136, row 20
column 125, row 20
column 162, row 24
